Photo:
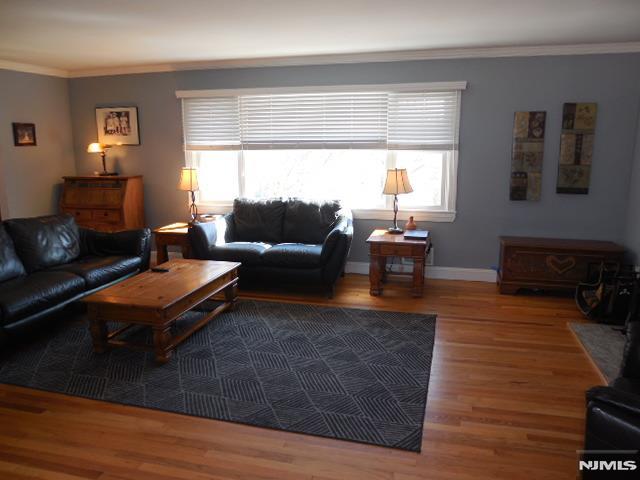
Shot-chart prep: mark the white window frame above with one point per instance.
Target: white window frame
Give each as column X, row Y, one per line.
column 446, row 213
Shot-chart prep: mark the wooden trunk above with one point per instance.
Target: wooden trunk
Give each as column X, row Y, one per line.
column 549, row 263
column 108, row 204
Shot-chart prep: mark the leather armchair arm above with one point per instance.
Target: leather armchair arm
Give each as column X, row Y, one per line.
column 129, row 242
column 613, row 397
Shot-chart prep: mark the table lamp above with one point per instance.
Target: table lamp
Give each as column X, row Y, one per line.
column 101, row 148
column 189, row 183
column 397, row 183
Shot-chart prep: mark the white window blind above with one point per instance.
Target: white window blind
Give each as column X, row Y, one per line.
column 211, row 123
column 423, row 120
column 412, row 120
column 326, row 120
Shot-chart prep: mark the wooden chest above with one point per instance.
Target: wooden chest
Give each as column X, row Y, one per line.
column 108, row 204
column 550, row 263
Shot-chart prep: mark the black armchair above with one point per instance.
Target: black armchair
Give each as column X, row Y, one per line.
column 283, row 241
column 613, row 412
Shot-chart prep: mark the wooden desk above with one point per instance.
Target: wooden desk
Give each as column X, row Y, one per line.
column 383, row 245
column 109, row 204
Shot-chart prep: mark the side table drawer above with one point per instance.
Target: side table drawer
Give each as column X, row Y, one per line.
column 399, row 250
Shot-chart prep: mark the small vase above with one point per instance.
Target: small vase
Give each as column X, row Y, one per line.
column 410, row 225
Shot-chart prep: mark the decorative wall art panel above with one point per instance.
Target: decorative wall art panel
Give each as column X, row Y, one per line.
column 576, row 147
column 526, row 156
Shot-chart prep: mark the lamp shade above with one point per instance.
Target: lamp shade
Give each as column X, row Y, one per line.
column 397, row 182
column 188, row 179
column 97, row 147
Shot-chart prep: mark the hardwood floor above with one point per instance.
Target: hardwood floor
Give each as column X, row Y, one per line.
column 506, row 401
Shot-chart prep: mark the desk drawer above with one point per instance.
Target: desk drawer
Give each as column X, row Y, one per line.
column 81, row 215
column 108, row 216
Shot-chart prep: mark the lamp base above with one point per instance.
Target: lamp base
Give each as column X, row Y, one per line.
column 107, row 174
column 395, row 230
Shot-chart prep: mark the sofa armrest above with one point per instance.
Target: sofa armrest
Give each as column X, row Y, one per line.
column 229, row 227
column 342, row 229
column 613, row 397
column 129, row 242
column 203, row 236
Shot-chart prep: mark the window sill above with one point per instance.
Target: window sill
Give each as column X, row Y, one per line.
column 359, row 213
column 418, row 215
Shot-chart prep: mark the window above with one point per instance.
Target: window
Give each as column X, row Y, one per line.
column 334, row 143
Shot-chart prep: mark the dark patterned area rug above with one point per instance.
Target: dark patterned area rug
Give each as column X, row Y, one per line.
column 350, row 374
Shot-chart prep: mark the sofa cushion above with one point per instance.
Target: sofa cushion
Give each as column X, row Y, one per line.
column 43, row 242
column 258, row 220
column 10, row 264
column 98, row 271
column 292, row 255
column 24, row 296
column 247, row 253
column 309, row 222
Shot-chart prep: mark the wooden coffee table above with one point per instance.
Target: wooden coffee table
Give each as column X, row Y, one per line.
column 157, row 299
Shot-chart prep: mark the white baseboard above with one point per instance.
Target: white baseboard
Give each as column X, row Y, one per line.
column 441, row 273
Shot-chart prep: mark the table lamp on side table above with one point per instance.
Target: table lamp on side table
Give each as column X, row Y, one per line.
column 397, row 183
column 189, row 183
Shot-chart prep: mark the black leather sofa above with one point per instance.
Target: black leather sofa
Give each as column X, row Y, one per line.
column 49, row 262
column 613, row 412
column 282, row 241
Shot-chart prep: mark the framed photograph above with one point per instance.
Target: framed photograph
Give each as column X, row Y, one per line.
column 24, row 134
column 118, row 125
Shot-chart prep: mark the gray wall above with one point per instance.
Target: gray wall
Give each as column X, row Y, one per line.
column 632, row 238
column 30, row 176
column 497, row 88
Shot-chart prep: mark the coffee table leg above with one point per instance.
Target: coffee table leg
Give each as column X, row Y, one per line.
column 99, row 334
column 231, row 295
column 161, row 343
column 377, row 266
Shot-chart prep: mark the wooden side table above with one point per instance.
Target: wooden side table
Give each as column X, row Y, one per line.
column 175, row 234
column 383, row 245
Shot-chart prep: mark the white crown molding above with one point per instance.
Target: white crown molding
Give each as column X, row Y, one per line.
column 395, row 56
column 29, row 68
column 343, row 58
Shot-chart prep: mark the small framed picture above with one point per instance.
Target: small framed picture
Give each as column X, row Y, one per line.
column 24, row 134
column 118, row 125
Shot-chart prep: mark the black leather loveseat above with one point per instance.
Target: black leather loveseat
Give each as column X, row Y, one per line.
column 613, row 412
column 282, row 241
column 48, row 262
